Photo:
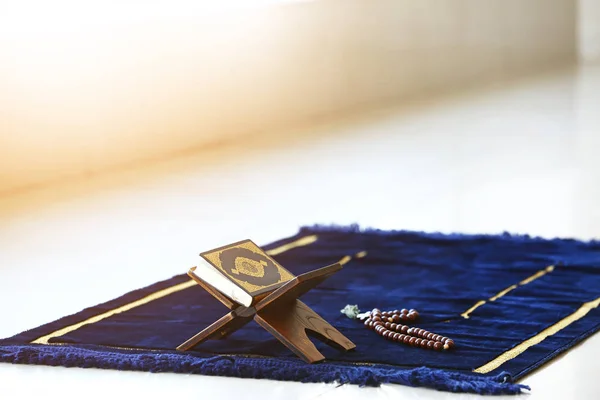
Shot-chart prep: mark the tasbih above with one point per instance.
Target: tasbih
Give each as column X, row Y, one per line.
column 388, row 324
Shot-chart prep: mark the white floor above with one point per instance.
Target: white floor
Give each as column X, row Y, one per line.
column 520, row 159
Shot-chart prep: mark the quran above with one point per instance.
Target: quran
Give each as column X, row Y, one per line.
column 241, row 271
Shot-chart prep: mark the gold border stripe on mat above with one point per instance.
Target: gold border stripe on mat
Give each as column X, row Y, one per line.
column 303, row 241
column 346, row 259
column 126, row 307
column 503, row 292
column 537, row 275
column 470, row 310
column 532, row 341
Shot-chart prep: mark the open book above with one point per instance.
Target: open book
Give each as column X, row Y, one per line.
column 241, row 271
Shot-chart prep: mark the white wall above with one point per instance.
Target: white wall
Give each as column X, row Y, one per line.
column 589, row 30
column 95, row 84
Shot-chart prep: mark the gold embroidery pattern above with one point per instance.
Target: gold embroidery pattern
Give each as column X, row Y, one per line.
column 304, row 241
column 532, row 341
column 250, row 267
column 503, row 292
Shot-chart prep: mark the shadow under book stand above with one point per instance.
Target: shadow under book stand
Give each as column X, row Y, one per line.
column 279, row 312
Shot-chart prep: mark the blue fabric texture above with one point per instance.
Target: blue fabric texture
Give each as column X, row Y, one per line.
column 514, row 286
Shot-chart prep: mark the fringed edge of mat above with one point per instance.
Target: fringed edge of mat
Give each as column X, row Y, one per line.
column 257, row 368
column 356, row 228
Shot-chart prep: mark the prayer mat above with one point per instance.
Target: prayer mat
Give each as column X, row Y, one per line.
column 511, row 303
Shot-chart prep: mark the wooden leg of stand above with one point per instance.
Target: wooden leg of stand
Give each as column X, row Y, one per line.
column 289, row 322
column 221, row 328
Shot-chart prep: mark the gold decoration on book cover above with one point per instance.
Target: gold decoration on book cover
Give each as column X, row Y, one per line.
column 248, row 266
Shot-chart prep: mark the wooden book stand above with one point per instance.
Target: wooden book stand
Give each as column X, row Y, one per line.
column 280, row 312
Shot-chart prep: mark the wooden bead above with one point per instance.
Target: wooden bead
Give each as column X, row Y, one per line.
column 387, row 324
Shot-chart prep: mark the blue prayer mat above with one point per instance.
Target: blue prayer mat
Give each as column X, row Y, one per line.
column 510, row 303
